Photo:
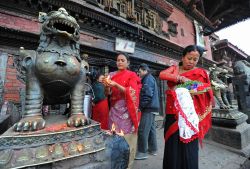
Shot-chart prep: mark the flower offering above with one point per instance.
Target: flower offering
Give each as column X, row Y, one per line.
column 195, row 87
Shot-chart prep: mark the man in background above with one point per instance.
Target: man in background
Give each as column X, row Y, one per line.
column 149, row 106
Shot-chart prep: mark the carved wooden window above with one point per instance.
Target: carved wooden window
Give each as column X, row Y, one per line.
column 118, row 6
column 182, row 32
column 100, row 2
column 149, row 19
column 148, row 22
column 145, row 18
column 172, row 28
column 152, row 18
column 138, row 17
column 123, row 8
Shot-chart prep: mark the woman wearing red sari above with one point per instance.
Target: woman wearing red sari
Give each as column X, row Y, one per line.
column 124, row 100
column 180, row 153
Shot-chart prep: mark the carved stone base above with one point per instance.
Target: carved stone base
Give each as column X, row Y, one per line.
column 238, row 137
column 228, row 117
column 62, row 146
column 247, row 112
column 230, row 128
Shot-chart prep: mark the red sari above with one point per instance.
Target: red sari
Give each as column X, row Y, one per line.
column 202, row 102
column 124, row 106
column 179, row 155
column 100, row 113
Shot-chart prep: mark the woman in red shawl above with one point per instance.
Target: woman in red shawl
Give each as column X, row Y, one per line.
column 124, row 89
column 179, row 154
column 100, row 109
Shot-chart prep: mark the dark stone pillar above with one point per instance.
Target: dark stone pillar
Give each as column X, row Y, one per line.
column 242, row 93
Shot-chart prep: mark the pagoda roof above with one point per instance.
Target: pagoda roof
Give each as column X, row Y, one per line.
column 224, row 13
column 225, row 44
column 219, row 13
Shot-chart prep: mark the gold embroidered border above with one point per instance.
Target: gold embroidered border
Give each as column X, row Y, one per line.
column 133, row 93
column 208, row 110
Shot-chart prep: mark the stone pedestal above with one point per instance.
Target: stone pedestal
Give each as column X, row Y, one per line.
column 228, row 117
column 230, row 128
column 60, row 146
column 238, row 137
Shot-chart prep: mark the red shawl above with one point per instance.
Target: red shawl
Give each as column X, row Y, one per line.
column 132, row 84
column 202, row 102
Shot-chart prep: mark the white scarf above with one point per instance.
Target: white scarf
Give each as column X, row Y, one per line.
column 188, row 119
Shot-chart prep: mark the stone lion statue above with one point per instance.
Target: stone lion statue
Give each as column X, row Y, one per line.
column 219, row 87
column 55, row 72
column 242, row 69
column 241, row 83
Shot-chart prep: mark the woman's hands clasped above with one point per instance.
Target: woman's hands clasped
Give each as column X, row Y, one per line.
column 108, row 82
column 182, row 79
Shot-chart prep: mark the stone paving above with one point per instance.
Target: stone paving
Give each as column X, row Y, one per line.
column 212, row 156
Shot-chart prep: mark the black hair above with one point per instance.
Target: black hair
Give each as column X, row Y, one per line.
column 192, row 48
column 95, row 75
column 144, row 67
column 124, row 54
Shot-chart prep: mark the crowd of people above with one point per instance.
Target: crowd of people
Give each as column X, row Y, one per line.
column 133, row 102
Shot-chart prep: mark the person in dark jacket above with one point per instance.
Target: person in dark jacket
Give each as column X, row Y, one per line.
column 149, row 106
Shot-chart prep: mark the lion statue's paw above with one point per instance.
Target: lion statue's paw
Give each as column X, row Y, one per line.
column 77, row 120
column 30, row 124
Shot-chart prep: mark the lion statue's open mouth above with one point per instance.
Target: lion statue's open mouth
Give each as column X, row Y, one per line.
column 63, row 26
column 60, row 22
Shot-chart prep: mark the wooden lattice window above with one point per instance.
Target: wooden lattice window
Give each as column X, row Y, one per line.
column 123, row 8
column 100, row 2
column 118, row 6
column 138, row 17
column 172, row 28
column 182, row 32
column 152, row 18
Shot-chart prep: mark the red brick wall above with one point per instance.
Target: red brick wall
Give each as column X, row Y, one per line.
column 12, row 85
column 19, row 23
column 187, row 25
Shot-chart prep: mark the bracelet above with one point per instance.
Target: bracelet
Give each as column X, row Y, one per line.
column 179, row 79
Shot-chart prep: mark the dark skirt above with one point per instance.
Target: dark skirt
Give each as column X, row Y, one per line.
column 179, row 155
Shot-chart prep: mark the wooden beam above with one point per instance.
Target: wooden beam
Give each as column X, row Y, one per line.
column 225, row 12
column 215, row 8
column 202, row 7
column 191, row 3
